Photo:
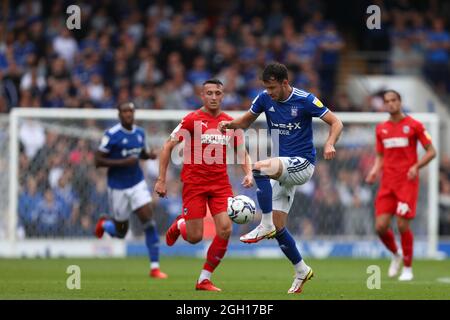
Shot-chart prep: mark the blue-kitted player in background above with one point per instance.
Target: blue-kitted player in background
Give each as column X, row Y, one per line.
column 289, row 112
column 120, row 150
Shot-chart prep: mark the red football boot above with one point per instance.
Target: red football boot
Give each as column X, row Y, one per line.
column 158, row 274
column 173, row 232
column 206, row 285
column 99, row 227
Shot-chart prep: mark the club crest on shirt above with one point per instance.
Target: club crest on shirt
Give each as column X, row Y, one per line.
column 124, row 141
column 294, row 111
column 139, row 137
column 406, row 129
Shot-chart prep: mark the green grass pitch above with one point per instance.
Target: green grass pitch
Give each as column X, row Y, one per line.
column 246, row 279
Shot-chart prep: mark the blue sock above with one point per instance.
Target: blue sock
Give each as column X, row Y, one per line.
column 152, row 242
column 264, row 191
column 110, row 227
column 287, row 245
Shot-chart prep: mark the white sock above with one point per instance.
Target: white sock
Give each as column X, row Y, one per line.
column 301, row 268
column 154, row 265
column 179, row 222
column 266, row 219
column 205, row 274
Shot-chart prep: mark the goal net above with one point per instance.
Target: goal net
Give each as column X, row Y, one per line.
column 52, row 190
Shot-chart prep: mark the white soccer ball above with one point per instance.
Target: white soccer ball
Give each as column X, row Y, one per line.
column 241, row 209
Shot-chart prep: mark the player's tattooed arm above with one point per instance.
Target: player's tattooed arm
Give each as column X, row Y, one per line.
column 101, row 160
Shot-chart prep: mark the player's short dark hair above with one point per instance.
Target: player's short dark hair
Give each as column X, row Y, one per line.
column 213, row 81
column 275, row 71
column 119, row 106
column 394, row 92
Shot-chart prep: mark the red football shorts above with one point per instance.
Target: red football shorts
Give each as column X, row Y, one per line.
column 400, row 200
column 196, row 196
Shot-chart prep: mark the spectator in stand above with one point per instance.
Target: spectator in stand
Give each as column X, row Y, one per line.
column 437, row 55
column 405, row 59
column 47, row 216
column 29, row 198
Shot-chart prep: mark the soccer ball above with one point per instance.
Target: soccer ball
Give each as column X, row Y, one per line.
column 241, row 209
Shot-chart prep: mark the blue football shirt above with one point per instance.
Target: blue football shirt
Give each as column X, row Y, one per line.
column 120, row 143
column 292, row 120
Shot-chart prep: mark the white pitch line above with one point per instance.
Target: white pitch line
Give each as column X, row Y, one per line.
column 443, row 280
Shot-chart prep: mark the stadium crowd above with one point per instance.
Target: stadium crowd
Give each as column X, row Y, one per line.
column 157, row 54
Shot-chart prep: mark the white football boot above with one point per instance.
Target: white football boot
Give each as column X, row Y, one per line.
column 406, row 275
column 299, row 281
column 395, row 265
column 259, row 233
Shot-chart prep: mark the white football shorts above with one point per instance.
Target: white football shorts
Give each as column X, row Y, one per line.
column 296, row 171
column 122, row 202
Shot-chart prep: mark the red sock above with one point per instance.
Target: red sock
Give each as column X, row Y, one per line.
column 182, row 228
column 216, row 251
column 407, row 238
column 389, row 241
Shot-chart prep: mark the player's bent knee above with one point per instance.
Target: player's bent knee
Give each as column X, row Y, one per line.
column 194, row 239
column 225, row 232
column 402, row 226
column 381, row 229
column 257, row 166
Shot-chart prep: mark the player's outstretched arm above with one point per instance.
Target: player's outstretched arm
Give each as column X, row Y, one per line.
column 373, row 173
column 242, row 122
column 336, row 128
column 101, row 160
column 164, row 157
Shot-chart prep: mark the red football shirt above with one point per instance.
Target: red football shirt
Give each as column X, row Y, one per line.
column 397, row 142
column 205, row 149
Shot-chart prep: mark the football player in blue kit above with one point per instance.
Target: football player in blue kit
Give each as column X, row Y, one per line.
column 120, row 150
column 289, row 112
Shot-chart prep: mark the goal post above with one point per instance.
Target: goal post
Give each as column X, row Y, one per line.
column 358, row 133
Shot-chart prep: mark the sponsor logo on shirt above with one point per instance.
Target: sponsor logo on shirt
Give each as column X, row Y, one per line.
column 289, row 126
column 130, row 152
column 215, row 139
column 395, row 142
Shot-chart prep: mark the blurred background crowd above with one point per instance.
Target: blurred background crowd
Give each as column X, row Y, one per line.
column 157, row 54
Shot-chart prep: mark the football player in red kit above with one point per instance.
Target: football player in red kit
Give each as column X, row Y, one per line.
column 204, row 176
column 396, row 147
